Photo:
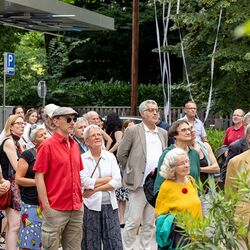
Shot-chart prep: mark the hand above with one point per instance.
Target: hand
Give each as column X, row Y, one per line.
column 87, row 193
column 46, row 209
column 4, row 187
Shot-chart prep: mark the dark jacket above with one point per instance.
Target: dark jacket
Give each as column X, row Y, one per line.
column 234, row 149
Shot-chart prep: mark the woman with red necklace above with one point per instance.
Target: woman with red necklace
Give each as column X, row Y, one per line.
column 10, row 151
column 178, row 193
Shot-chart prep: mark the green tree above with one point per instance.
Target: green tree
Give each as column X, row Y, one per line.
column 198, row 22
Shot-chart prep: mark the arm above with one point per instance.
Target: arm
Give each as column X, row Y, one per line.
column 10, row 150
column 4, row 186
column 214, row 167
column 42, row 191
column 113, row 183
column 108, row 139
column 231, row 172
column 125, row 147
column 118, row 137
column 226, row 138
column 22, row 168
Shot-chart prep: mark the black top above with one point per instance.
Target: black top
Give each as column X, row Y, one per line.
column 29, row 194
column 112, row 135
column 204, row 176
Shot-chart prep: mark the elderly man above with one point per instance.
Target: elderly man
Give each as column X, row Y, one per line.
column 93, row 119
column 58, row 165
column 235, row 166
column 47, row 117
column 78, row 133
column 236, row 147
column 190, row 110
column 138, row 153
column 236, row 131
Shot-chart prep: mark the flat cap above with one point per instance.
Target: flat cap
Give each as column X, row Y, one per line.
column 64, row 111
column 49, row 109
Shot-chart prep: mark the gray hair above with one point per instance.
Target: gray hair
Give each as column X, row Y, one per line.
column 143, row 105
column 167, row 168
column 81, row 119
column 33, row 131
column 247, row 131
column 246, row 119
column 87, row 130
column 90, row 114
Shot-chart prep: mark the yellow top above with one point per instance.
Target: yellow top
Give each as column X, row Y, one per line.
column 175, row 197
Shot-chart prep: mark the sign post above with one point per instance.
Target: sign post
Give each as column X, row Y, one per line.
column 42, row 90
column 9, row 69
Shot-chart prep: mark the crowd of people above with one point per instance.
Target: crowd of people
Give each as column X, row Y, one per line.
column 77, row 181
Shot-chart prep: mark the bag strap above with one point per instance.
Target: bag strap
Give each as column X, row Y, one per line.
column 95, row 167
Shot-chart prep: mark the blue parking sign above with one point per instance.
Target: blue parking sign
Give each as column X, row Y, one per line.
column 9, row 63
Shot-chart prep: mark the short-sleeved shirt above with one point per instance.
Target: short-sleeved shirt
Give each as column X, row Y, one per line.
column 233, row 134
column 61, row 166
column 29, row 194
column 200, row 131
column 194, row 160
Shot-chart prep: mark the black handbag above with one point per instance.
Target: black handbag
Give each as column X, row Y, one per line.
column 148, row 188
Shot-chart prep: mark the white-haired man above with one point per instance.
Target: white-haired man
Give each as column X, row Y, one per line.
column 138, row 153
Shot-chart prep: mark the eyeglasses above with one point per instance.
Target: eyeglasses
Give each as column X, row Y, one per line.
column 185, row 130
column 95, row 135
column 192, row 108
column 20, row 123
column 69, row 119
column 152, row 110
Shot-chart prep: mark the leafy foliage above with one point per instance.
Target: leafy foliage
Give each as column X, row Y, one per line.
column 215, row 138
column 198, row 22
column 220, row 229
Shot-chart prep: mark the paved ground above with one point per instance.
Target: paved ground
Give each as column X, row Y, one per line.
column 153, row 243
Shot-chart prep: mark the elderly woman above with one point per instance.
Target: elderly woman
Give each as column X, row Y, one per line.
column 181, row 132
column 178, row 193
column 100, row 177
column 31, row 220
column 10, row 152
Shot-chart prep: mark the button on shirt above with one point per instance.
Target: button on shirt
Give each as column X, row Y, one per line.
column 107, row 167
column 61, row 166
column 154, row 150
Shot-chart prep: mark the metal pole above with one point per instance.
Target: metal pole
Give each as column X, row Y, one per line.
column 44, row 101
column 134, row 60
column 4, row 97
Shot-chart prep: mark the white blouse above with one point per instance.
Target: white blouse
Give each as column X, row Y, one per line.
column 107, row 167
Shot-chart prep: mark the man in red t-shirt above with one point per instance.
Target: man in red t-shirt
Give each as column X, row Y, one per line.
column 58, row 165
column 236, row 131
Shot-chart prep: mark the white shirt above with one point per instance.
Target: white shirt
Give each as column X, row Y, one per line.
column 107, row 167
column 154, row 150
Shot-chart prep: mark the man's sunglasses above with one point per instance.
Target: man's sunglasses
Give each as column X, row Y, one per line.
column 69, row 119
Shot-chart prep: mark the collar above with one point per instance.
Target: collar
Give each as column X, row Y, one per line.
column 148, row 130
column 88, row 155
column 238, row 128
column 60, row 138
column 185, row 118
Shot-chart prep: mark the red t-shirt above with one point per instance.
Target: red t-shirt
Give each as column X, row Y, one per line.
column 232, row 134
column 61, row 167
